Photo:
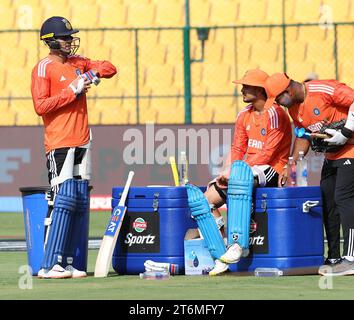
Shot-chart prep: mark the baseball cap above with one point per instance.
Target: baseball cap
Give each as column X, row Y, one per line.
column 274, row 86
column 254, row 77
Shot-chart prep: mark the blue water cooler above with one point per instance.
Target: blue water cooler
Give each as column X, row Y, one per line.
column 35, row 207
column 153, row 228
column 286, row 231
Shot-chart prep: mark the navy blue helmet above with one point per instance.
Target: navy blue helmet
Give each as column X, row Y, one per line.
column 58, row 28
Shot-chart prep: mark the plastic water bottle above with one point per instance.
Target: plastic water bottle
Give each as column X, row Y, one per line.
column 155, row 275
column 291, row 172
column 301, row 170
column 183, row 169
column 268, row 272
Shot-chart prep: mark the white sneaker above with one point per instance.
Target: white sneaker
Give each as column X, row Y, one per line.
column 74, row 272
column 57, row 272
column 233, row 254
column 220, row 267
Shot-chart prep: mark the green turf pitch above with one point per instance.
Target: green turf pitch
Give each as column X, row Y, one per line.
column 131, row 287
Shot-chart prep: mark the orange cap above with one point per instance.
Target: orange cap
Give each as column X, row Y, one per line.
column 254, row 77
column 274, row 86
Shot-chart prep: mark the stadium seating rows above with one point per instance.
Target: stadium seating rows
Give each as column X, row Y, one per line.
column 229, row 52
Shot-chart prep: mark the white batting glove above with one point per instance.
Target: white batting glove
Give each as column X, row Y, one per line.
column 78, row 85
column 337, row 138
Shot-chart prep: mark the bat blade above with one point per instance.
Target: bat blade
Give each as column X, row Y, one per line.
column 110, row 237
column 108, row 242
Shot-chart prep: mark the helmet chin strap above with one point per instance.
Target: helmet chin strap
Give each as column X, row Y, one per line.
column 56, row 47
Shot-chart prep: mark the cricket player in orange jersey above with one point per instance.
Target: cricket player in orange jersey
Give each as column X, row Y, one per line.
column 262, row 139
column 311, row 105
column 59, row 86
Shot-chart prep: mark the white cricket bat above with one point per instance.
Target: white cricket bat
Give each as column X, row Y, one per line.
column 110, row 237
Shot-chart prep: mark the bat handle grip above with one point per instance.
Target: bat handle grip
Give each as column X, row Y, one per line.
column 126, row 188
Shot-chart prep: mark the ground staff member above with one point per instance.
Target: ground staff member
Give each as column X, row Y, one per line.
column 311, row 105
column 59, row 85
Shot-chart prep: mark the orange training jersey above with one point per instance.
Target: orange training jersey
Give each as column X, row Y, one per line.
column 262, row 139
column 326, row 100
column 64, row 114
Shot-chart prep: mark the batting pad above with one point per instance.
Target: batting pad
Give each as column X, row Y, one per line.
column 200, row 211
column 77, row 234
column 239, row 203
column 61, row 226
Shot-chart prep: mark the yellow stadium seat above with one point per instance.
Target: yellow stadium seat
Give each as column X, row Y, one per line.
column 94, row 114
column 300, row 70
column 126, row 79
column 58, row 8
column 201, row 111
column 8, row 118
column 7, row 18
column 218, row 78
column 197, row 78
column 170, row 13
column 174, row 53
column 107, row 88
column 351, row 11
column 340, row 10
column 251, row 12
column 168, row 110
column 214, row 53
column 147, row 114
column 273, row 12
column 140, row 14
column 306, row 11
column 112, row 14
column 200, row 12
column 25, row 114
column 224, row 12
column 150, row 51
column 346, row 73
column 117, row 111
column 28, row 15
column 223, row 109
column 85, row 16
column 160, row 78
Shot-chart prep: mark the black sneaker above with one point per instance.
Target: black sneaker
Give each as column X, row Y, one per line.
column 343, row 268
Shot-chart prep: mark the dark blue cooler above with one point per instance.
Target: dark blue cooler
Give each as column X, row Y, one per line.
column 286, row 231
column 154, row 226
column 35, row 207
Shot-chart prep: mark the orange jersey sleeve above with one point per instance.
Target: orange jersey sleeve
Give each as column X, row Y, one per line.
column 240, row 140
column 43, row 102
column 277, row 142
column 104, row 68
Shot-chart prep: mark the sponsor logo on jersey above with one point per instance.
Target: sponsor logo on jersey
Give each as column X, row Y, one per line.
column 316, row 111
column 255, row 144
column 315, row 127
column 263, row 132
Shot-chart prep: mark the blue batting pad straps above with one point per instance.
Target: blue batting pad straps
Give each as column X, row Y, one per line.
column 200, row 211
column 64, row 207
column 78, row 239
column 239, row 203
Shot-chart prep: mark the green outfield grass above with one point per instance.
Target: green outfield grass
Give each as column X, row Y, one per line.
column 131, row 287
column 12, row 225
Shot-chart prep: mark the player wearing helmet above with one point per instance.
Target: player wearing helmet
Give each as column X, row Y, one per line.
column 59, row 86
